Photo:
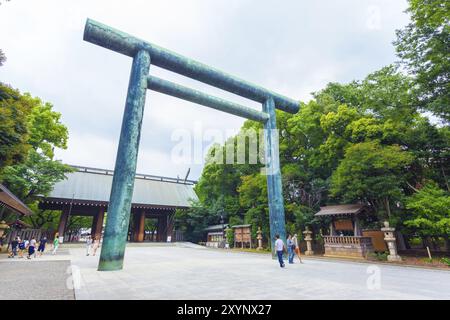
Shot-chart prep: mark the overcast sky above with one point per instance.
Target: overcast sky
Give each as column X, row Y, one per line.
column 291, row 47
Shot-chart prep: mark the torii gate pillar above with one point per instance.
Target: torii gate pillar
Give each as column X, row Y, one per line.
column 113, row 247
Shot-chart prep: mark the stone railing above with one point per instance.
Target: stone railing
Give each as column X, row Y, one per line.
column 356, row 247
column 346, row 239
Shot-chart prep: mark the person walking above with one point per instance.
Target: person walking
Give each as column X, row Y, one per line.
column 21, row 247
column 291, row 247
column 88, row 245
column 280, row 248
column 96, row 244
column 55, row 244
column 14, row 247
column 41, row 247
column 32, row 248
column 296, row 248
column 2, row 239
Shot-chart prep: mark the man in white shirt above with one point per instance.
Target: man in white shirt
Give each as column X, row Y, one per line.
column 279, row 247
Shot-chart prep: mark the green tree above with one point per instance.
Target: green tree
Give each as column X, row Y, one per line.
column 371, row 173
column 253, row 201
column 35, row 172
column 15, row 110
column 194, row 220
column 34, row 177
column 424, row 47
column 429, row 211
column 362, row 141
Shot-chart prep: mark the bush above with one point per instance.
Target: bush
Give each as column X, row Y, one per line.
column 229, row 233
column 380, row 256
column 446, row 261
column 427, row 260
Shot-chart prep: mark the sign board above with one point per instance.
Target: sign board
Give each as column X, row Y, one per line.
column 343, row 225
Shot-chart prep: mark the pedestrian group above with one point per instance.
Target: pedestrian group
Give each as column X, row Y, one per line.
column 31, row 248
column 292, row 249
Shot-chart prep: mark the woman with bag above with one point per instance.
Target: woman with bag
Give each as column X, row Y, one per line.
column 291, row 247
column 296, row 247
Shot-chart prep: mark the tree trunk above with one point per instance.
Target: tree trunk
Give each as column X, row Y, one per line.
column 445, row 178
column 388, row 208
column 401, row 243
column 407, row 245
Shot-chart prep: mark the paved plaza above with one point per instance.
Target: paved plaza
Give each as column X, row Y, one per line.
column 35, row 280
column 185, row 271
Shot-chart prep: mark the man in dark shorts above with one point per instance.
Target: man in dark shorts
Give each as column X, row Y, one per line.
column 14, row 247
column 32, row 248
column 22, row 248
column 41, row 247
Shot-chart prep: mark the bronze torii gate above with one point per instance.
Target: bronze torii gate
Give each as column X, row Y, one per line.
column 143, row 54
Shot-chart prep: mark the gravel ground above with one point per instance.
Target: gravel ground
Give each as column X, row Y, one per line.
column 35, row 280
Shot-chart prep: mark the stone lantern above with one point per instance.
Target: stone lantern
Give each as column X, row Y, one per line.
column 259, row 237
column 389, row 237
column 308, row 239
column 3, row 227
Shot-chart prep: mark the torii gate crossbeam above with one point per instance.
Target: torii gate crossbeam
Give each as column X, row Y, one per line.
column 144, row 54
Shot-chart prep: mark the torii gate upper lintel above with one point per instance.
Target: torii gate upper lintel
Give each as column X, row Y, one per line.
column 144, row 54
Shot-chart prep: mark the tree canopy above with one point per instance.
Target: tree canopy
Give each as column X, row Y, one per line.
column 430, row 211
column 30, row 130
column 424, row 46
column 366, row 141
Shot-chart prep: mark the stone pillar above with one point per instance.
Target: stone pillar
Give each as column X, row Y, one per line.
column 116, row 230
column 308, row 239
column 273, row 174
column 389, row 237
column 259, row 237
column 97, row 223
column 63, row 223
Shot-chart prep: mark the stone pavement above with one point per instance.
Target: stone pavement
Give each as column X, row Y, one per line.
column 188, row 272
column 36, row 279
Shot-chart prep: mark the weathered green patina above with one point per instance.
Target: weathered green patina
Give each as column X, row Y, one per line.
column 144, row 53
column 274, row 188
column 113, row 248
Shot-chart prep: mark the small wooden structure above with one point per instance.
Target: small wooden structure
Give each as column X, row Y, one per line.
column 215, row 235
column 345, row 237
column 243, row 235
